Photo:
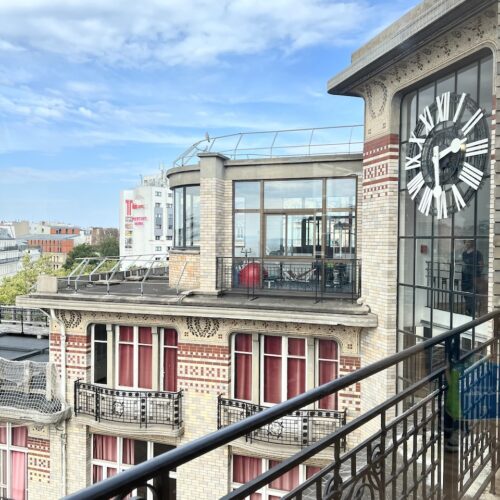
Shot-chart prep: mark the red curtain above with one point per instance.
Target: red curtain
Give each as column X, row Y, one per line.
column 170, row 361
column 296, row 383
column 126, row 333
column 145, row 358
column 128, row 451
column 243, row 366
column 3, row 434
column 18, row 484
column 96, row 473
column 20, row 436
column 272, row 369
column 327, row 371
column 126, row 365
column 311, row 470
column 245, row 469
column 105, row 447
column 287, row 481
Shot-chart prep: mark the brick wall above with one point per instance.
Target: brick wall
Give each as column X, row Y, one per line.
column 184, row 269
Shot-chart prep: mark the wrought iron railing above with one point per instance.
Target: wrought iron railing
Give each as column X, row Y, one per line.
column 129, row 406
column 300, row 428
column 419, row 446
column 335, row 278
column 278, row 143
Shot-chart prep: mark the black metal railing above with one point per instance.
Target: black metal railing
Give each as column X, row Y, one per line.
column 335, row 278
column 132, row 407
column 421, row 443
column 300, row 428
column 20, row 318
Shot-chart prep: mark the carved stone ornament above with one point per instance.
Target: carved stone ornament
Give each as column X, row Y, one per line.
column 202, row 327
column 70, row 319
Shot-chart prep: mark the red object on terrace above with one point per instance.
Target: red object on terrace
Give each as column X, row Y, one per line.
column 250, row 274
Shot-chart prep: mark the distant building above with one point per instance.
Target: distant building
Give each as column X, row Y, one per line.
column 99, row 234
column 56, row 246
column 10, row 253
column 16, row 228
column 146, row 218
column 47, row 227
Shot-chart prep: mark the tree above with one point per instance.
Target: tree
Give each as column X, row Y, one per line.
column 109, row 247
column 23, row 281
column 80, row 251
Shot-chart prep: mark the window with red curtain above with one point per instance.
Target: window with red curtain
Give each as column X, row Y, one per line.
column 328, row 365
column 105, row 447
column 296, row 367
column 287, row 481
column 272, row 369
column 145, row 358
column 170, row 349
column 126, row 356
column 13, row 457
column 245, row 469
column 243, row 366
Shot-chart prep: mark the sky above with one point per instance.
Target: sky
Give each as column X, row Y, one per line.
column 95, row 93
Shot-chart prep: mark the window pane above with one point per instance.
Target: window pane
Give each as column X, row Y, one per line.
column 446, row 84
column 483, row 209
column 170, row 369
column 296, row 383
column 303, row 233
column 243, row 376
column 246, row 468
column 406, row 214
column 20, row 436
column 170, row 337
column 100, row 362
column 100, row 332
column 272, row 379
column 296, row 347
column 327, row 371
column 275, row 234
column 243, row 342
column 128, row 455
column 467, row 81
column 145, row 368
column 145, row 335
column 179, row 217
column 423, row 262
column 272, row 345
column 247, row 234
column 304, row 193
column 18, row 474
column 327, row 349
column 425, row 97
column 140, row 451
column 287, row 481
column 341, row 193
column 126, row 365
column 126, row 334
column 486, row 83
column 246, row 195
column 192, row 216
column 408, row 115
column 104, row 447
column 405, row 309
column 406, row 260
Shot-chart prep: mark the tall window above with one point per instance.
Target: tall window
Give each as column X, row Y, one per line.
column 13, row 462
column 279, row 367
column 295, row 218
column 111, row 454
column 137, row 350
column 244, row 469
column 436, row 257
column 187, row 216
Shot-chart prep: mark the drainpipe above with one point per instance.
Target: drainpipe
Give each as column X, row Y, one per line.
column 62, row 329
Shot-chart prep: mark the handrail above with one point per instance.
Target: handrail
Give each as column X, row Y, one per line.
column 234, row 151
column 140, row 474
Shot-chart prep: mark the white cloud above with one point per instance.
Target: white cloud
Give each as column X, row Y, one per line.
column 178, row 32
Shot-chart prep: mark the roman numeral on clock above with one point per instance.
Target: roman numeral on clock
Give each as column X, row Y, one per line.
column 426, row 201
column 417, row 140
column 459, row 201
column 472, row 122
column 458, row 111
column 427, row 120
column 443, row 107
column 477, row 148
column 415, row 185
column 442, row 208
column 471, row 175
column 414, row 162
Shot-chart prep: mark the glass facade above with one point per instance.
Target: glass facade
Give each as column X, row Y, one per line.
column 443, row 264
column 313, row 218
column 187, row 217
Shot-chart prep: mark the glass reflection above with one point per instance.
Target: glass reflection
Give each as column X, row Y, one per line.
column 246, row 195
column 247, row 234
column 296, row 194
column 341, row 193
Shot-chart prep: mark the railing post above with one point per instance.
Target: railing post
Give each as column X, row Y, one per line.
column 22, row 320
column 451, row 421
column 97, row 402
column 75, row 396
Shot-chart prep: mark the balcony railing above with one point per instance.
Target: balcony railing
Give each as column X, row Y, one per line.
column 438, row 438
column 143, row 408
column 320, row 278
column 300, row 428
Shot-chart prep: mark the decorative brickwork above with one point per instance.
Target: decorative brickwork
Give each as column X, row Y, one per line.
column 184, row 269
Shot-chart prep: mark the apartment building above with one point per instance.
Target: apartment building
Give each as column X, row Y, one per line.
column 287, row 272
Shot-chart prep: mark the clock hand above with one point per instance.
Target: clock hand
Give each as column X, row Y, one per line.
column 435, row 161
column 454, row 147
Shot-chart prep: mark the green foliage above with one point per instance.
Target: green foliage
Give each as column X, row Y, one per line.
column 80, row 251
column 109, row 247
column 22, row 282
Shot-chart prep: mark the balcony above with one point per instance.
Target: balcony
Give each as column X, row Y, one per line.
column 142, row 408
column 412, row 443
column 300, row 428
column 319, row 278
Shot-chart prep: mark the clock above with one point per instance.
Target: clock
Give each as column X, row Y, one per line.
column 447, row 155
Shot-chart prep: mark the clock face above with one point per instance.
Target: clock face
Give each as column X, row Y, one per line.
column 448, row 153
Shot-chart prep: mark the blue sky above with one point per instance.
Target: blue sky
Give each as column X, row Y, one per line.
column 94, row 93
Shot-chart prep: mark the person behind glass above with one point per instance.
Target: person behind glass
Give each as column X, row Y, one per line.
column 472, row 266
